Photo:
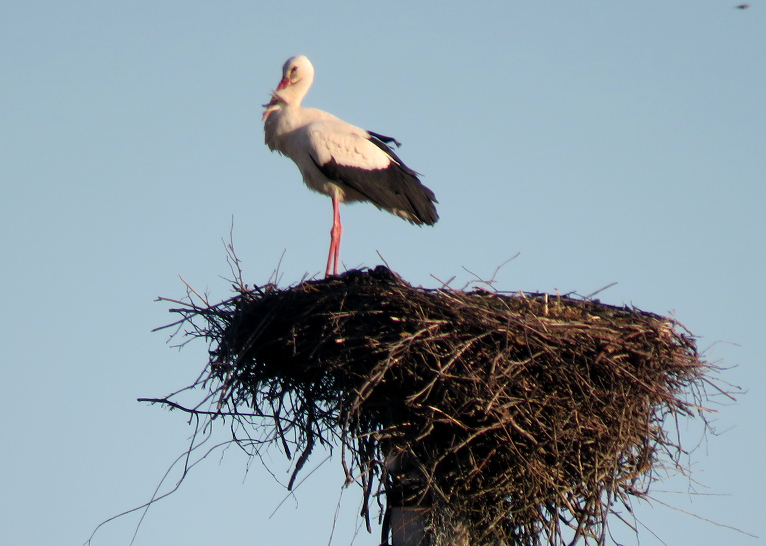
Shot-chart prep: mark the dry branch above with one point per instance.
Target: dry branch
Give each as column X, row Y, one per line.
column 515, row 419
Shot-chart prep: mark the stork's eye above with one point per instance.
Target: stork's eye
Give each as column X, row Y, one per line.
column 293, row 69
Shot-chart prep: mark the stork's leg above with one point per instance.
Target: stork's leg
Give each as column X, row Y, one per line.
column 335, row 234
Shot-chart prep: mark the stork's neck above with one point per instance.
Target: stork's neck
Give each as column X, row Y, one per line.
column 293, row 94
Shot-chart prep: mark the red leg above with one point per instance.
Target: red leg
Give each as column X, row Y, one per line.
column 335, row 235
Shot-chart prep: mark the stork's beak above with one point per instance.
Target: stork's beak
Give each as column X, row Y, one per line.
column 283, row 83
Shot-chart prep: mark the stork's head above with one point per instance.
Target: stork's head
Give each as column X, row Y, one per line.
column 296, row 72
column 297, row 77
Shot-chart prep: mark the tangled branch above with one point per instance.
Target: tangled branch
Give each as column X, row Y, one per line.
column 510, row 418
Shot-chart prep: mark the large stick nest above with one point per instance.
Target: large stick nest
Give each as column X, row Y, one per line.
column 516, row 418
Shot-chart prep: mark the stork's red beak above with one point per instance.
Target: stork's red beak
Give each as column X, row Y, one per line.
column 282, row 84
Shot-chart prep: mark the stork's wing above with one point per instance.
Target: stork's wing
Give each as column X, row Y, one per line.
column 352, row 157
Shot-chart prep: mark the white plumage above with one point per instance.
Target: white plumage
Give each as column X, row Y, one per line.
column 341, row 160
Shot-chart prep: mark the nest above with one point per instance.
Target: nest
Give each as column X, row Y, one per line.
column 508, row 418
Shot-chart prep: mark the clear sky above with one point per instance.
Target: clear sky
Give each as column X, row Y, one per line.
column 603, row 141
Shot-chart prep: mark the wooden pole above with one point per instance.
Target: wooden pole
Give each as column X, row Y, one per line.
column 408, row 526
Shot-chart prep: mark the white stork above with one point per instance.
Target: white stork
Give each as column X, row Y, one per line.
column 340, row 160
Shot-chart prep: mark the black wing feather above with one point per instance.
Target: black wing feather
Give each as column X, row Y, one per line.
column 386, row 139
column 396, row 187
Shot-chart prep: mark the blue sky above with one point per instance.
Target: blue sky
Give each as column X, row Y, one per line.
column 603, row 141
